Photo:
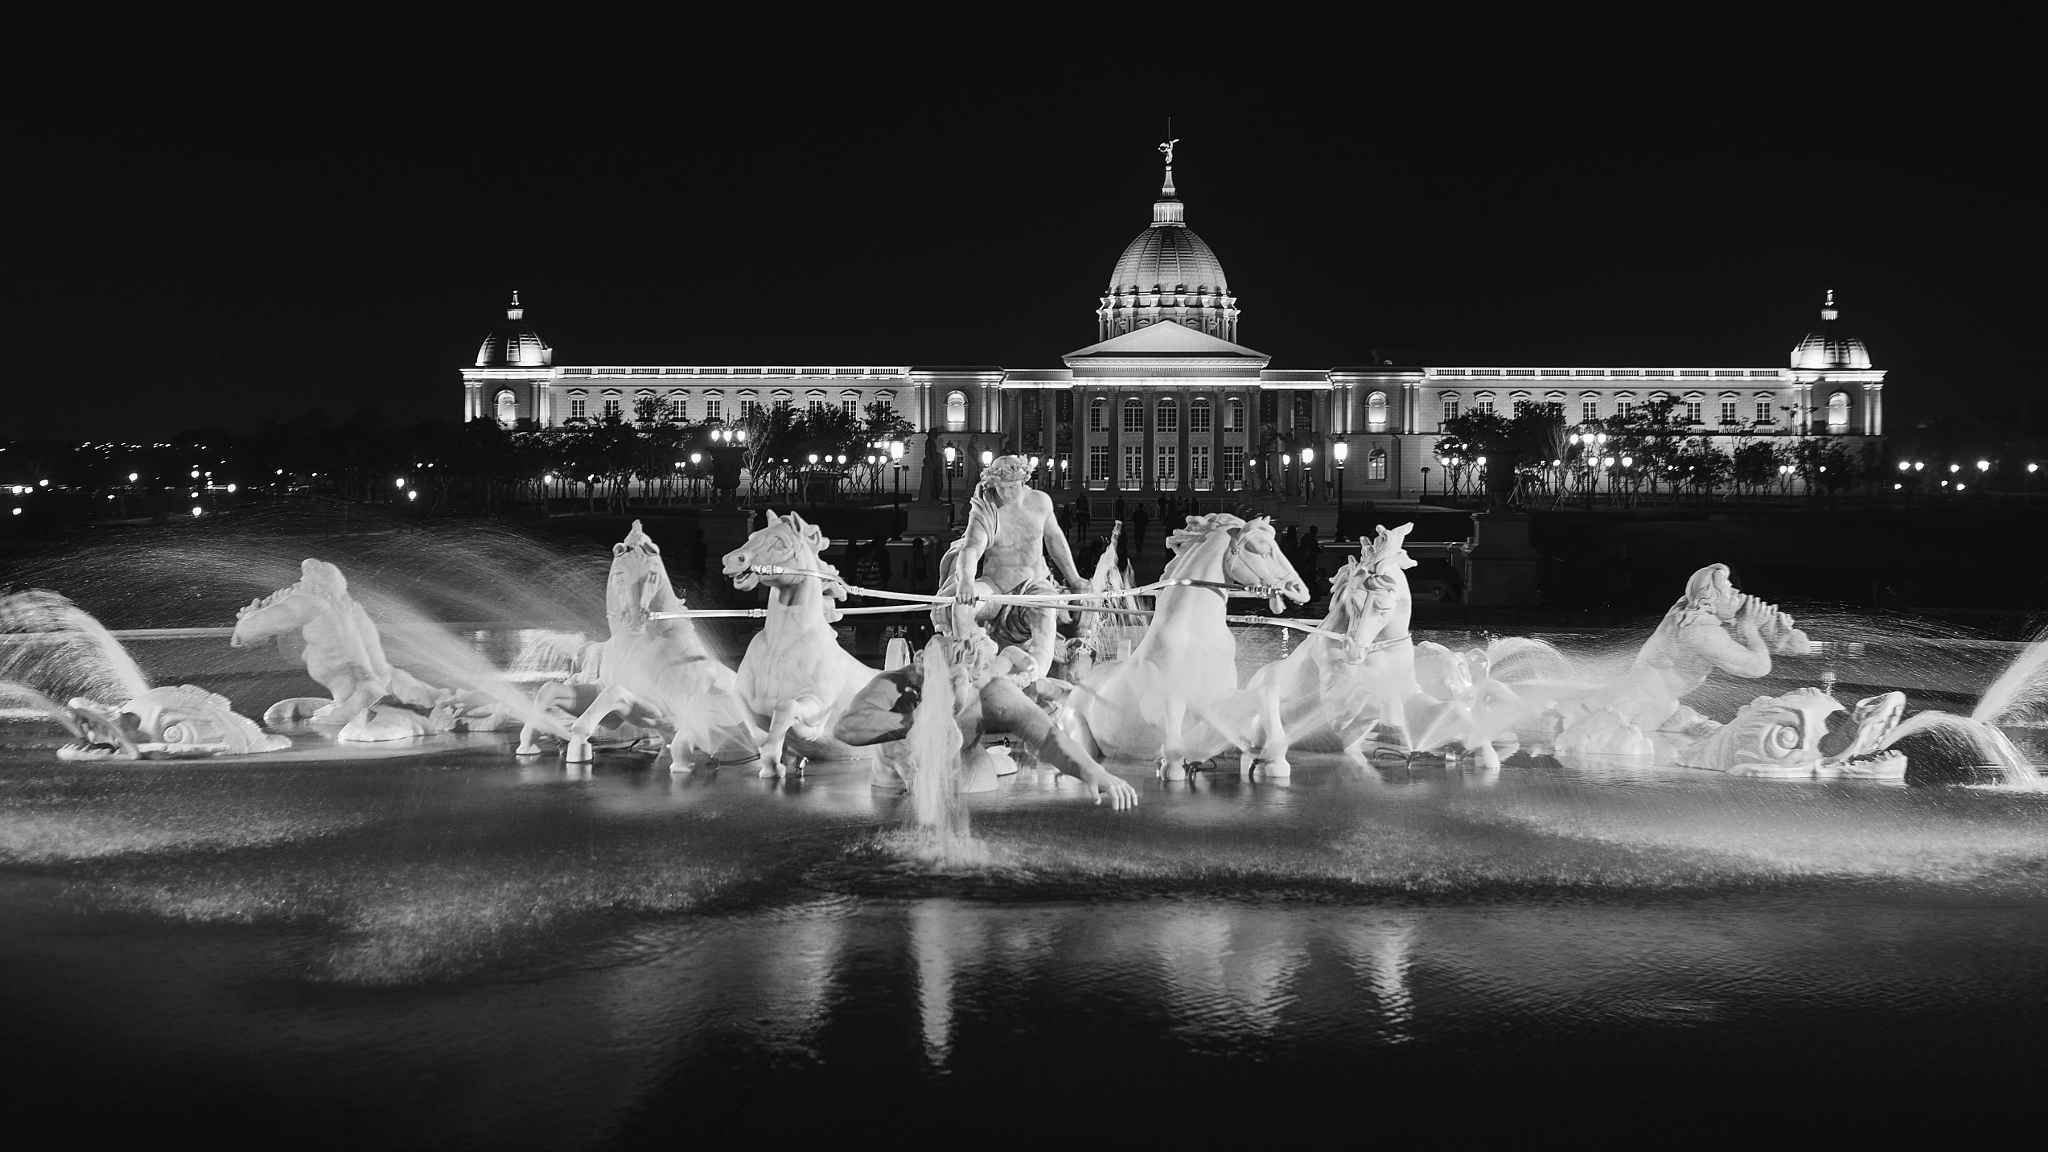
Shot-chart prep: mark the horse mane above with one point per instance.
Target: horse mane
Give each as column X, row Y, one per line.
column 1198, row 529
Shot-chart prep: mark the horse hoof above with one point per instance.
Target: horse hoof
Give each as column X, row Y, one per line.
column 769, row 773
column 578, row 752
column 1276, row 769
column 527, row 750
column 1174, row 771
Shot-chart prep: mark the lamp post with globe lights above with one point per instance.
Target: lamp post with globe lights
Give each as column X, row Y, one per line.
column 1341, row 450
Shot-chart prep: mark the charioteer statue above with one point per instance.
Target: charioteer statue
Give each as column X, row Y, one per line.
column 1010, row 531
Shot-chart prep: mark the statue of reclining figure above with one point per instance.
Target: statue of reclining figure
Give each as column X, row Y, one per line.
column 1713, row 627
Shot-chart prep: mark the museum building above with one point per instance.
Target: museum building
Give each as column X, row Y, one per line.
column 1167, row 399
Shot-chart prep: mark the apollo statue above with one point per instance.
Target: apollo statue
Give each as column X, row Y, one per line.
column 1010, row 531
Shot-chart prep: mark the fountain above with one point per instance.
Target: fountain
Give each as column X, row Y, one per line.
column 1449, row 851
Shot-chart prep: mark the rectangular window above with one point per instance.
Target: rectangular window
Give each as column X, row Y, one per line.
column 1589, row 411
column 1233, row 466
column 1521, row 408
column 1376, row 466
column 611, row 409
column 1198, row 419
column 749, row 408
column 850, row 407
column 713, row 406
column 1096, row 416
column 958, row 468
column 1305, row 411
column 1168, row 417
column 578, row 408
column 678, row 408
column 1098, row 463
column 1134, row 466
column 1692, row 412
column 1233, row 416
column 1624, row 408
column 1167, row 474
column 1728, row 415
column 1483, row 407
column 1198, row 466
column 815, row 408
column 1450, row 408
column 1134, row 417
column 1763, row 412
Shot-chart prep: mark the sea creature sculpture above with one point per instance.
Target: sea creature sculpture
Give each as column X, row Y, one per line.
column 1010, row 532
column 653, row 674
column 1151, row 704
column 178, row 721
column 1713, row 627
column 1806, row 734
column 795, row 680
column 370, row 699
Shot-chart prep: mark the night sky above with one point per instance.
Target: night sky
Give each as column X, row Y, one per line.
column 226, row 233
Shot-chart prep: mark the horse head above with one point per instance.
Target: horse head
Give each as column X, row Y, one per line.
column 317, row 578
column 1369, row 596
column 1252, row 558
column 638, row 583
column 787, row 542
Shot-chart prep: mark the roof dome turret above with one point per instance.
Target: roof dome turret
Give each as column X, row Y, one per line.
column 1168, row 273
column 1830, row 347
column 514, row 344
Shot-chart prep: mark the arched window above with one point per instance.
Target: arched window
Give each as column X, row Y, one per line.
column 1376, row 465
column 1134, row 415
column 1098, row 414
column 1198, row 415
column 1233, row 415
column 1838, row 412
column 956, row 411
column 1167, row 415
column 1376, row 411
column 507, row 409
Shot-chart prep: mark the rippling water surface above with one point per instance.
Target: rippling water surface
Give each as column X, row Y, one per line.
column 449, row 947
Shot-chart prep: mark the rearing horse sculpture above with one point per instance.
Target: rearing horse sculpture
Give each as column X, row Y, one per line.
column 650, row 673
column 1360, row 669
column 795, row 679
column 1187, row 661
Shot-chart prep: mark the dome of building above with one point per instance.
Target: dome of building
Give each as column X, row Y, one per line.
column 1168, row 273
column 1830, row 347
column 514, row 344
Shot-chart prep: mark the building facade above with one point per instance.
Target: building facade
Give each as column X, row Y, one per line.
column 1168, row 400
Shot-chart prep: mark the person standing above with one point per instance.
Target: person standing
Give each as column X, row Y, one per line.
column 1138, row 521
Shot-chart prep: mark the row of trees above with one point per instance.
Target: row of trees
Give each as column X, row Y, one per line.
column 1533, row 458
column 475, row 465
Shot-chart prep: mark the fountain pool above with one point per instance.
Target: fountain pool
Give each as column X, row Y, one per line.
column 445, row 946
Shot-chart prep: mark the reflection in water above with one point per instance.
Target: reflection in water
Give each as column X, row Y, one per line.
column 1379, row 950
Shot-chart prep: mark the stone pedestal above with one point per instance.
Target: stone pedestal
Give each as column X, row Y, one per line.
column 1500, row 564
column 724, row 530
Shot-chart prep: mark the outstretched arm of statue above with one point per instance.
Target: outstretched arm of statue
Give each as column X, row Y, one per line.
column 1007, row 709
column 1056, row 547
column 880, row 713
column 967, row 562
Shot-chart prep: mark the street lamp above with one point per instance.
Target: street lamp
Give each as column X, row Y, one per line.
column 896, row 455
column 951, row 455
column 1341, row 451
column 1308, row 480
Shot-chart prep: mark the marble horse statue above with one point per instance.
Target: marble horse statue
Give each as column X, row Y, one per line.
column 1147, row 706
column 795, row 680
column 653, row 673
column 369, row 698
column 1359, row 670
